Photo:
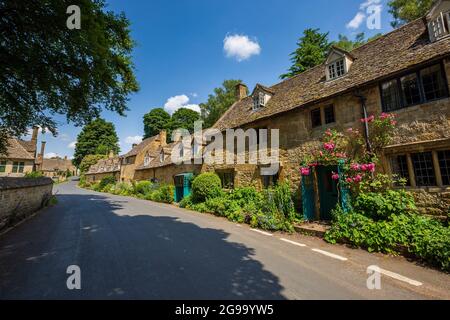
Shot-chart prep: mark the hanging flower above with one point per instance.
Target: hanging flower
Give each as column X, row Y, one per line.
column 371, row 167
column 349, row 180
column 329, row 146
column 363, row 167
column 328, row 132
column 358, row 178
column 305, row 171
column 355, row 167
column 335, row 176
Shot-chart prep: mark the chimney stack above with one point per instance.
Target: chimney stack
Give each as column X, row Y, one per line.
column 241, row 91
column 65, row 158
column 42, row 149
column 34, row 135
column 163, row 138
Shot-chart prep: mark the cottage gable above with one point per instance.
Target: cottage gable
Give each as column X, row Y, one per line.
column 338, row 63
column 439, row 20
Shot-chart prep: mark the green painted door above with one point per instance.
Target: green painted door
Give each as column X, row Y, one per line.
column 308, row 199
column 328, row 191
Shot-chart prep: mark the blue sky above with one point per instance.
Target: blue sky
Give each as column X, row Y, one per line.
column 186, row 48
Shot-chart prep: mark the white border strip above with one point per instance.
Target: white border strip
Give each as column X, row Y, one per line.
column 293, row 242
column 262, row 232
column 331, row 255
column 398, row 277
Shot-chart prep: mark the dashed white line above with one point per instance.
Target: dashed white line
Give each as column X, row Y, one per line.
column 262, row 232
column 293, row 242
column 398, row 276
column 331, row 255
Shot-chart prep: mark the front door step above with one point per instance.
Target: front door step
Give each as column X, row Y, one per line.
column 316, row 229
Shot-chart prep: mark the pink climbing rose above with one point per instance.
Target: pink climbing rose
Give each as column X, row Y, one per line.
column 305, row 171
column 335, row 176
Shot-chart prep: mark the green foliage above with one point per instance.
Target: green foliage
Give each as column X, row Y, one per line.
column 143, row 187
column 405, row 11
column 218, row 102
column 381, row 206
column 34, row 175
column 206, row 185
column 109, row 180
column 425, row 238
column 186, row 202
column 155, row 121
column 184, row 119
column 312, row 50
column 97, row 137
column 48, row 69
column 90, row 160
column 348, row 45
column 165, row 194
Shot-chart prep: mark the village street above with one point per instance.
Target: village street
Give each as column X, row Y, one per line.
column 134, row 249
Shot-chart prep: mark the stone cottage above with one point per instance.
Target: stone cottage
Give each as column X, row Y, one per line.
column 105, row 168
column 406, row 72
column 20, row 157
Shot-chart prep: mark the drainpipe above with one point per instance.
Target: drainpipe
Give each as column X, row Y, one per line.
column 363, row 100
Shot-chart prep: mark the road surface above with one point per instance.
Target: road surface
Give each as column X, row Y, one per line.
column 135, row 249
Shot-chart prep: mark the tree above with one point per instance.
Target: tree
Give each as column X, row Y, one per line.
column 219, row 102
column 155, row 121
column 97, row 137
column 184, row 119
column 405, row 11
column 348, row 45
column 312, row 50
column 90, row 160
column 47, row 68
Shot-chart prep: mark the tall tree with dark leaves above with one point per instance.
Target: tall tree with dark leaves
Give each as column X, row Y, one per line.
column 312, row 50
column 156, row 120
column 97, row 138
column 360, row 39
column 184, row 118
column 47, row 68
column 219, row 102
column 405, row 11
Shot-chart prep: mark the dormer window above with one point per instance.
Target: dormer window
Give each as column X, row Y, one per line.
column 439, row 21
column 261, row 96
column 338, row 63
column 161, row 157
column 147, row 160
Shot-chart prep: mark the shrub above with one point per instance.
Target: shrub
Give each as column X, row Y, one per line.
column 282, row 198
column 186, row 202
column 105, row 181
column 34, row 175
column 142, row 187
column 381, row 206
column 205, row 186
column 426, row 238
column 163, row 194
column 122, row 189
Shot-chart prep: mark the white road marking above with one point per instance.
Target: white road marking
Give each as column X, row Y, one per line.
column 399, row 277
column 238, row 225
column 293, row 242
column 262, row 232
column 331, row 255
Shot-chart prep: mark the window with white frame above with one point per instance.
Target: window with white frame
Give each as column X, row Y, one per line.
column 259, row 100
column 161, row 157
column 147, row 160
column 336, row 69
column 439, row 27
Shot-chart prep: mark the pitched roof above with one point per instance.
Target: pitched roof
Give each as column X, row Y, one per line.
column 105, row 166
column 30, row 146
column 17, row 151
column 396, row 51
column 141, row 146
column 57, row 164
column 156, row 163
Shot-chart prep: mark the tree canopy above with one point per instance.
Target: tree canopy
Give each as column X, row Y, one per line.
column 155, row 121
column 184, row 118
column 97, row 137
column 405, row 11
column 219, row 102
column 312, row 50
column 47, row 68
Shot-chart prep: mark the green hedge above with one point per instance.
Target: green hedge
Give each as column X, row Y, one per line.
column 206, row 186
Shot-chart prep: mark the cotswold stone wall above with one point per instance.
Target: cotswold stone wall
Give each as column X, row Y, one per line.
column 21, row 197
column 435, row 204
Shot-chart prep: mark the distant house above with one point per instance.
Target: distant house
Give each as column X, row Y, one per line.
column 20, row 156
column 104, row 168
column 54, row 167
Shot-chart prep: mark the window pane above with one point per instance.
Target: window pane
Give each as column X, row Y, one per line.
column 390, row 95
column 423, row 169
column 315, row 118
column 340, row 70
column 400, row 168
column 21, row 167
column 329, row 114
column 433, row 83
column 2, row 166
column 15, row 167
column 410, row 88
column 332, row 71
column 444, row 163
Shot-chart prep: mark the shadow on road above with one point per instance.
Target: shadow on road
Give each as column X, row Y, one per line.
column 125, row 253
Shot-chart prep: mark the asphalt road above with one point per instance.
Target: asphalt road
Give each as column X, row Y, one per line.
column 134, row 249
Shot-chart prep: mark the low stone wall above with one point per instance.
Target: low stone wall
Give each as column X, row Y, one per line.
column 21, row 197
column 436, row 204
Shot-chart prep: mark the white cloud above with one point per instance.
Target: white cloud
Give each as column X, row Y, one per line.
column 72, row 145
column 177, row 102
column 51, row 155
column 369, row 3
column 133, row 140
column 240, row 47
column 64, row 137
column 356, row 22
